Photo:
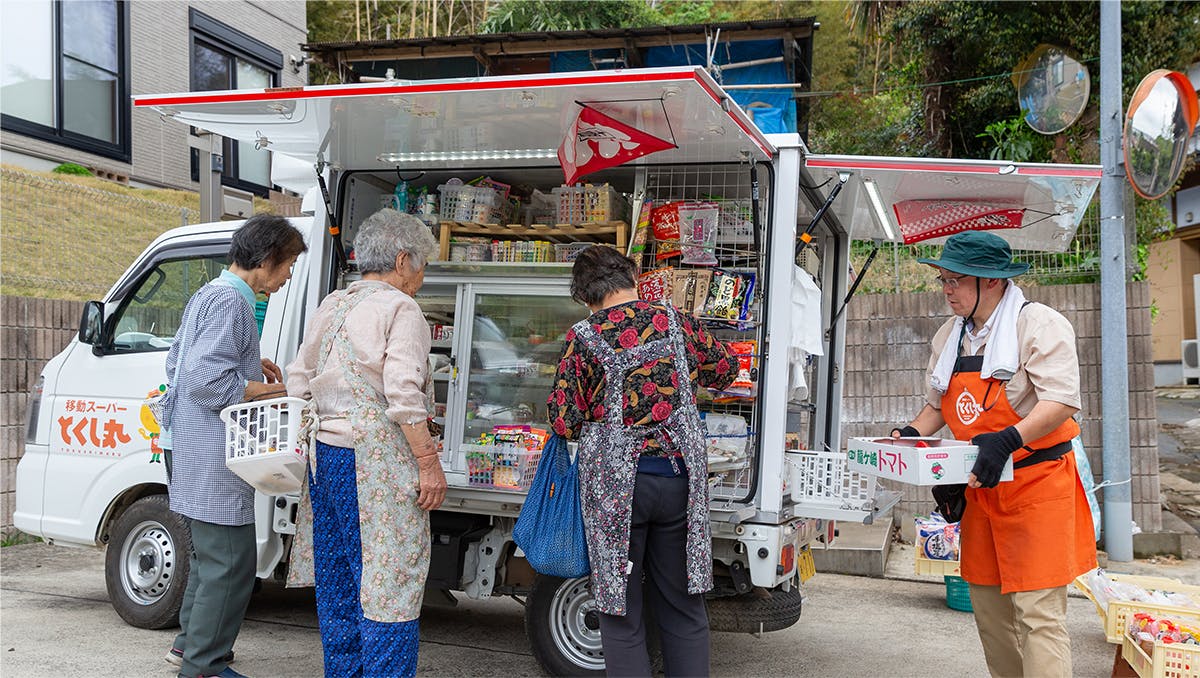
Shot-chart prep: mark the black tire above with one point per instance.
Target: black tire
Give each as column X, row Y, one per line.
column 146, row 565
column 563, row 627
column 750, row 613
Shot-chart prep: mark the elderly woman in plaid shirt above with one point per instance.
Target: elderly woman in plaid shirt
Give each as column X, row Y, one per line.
column 214, row 363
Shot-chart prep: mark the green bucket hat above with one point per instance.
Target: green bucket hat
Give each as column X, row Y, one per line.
column 978, row 254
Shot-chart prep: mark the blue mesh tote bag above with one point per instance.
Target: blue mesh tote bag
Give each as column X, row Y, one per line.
column 550, row 527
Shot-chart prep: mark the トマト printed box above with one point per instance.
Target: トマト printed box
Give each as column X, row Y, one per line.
column 916, row 461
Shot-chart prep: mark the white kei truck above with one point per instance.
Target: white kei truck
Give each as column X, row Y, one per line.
column 498, row 306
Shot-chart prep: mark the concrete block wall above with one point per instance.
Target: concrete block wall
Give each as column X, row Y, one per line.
column 888, row 351
column 32, row 331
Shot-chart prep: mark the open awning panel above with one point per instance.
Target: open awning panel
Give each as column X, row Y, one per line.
column 911, row 200
column 516, row 120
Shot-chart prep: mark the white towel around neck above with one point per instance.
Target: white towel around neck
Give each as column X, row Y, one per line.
column 1001, row 354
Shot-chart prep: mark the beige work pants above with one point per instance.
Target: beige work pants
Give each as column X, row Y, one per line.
column 1024, row 634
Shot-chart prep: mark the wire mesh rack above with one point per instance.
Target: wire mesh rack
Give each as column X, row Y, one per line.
column 698, row 250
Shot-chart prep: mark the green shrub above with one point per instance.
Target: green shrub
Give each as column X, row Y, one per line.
column 72, row 168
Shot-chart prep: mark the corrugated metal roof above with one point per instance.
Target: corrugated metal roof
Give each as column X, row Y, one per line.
column 616, row 34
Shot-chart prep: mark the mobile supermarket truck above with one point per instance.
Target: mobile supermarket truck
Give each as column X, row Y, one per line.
column 498, row 306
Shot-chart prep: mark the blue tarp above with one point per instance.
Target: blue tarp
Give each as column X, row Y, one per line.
column 773, row 110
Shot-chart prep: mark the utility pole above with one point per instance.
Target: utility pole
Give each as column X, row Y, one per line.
column 1114, row 338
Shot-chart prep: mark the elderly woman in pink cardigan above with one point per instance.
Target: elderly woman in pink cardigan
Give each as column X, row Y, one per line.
column 375, row 472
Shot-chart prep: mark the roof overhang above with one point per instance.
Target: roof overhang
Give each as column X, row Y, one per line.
column 473, row 122
column 880, row 196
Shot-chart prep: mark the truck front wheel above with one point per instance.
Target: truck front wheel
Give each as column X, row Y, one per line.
column 564, row 627
column 146, row 565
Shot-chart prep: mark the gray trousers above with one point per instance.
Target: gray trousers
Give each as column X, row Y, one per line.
column 223, row 564
column 658, row 550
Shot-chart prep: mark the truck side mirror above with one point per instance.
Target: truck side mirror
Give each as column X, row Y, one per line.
column 91, row 323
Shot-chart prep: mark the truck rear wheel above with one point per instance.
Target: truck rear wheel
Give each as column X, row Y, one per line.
column 564, row 627
column 146, row 565
column 751, row 613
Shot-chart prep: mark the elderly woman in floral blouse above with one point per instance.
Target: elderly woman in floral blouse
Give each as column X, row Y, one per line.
column 625, row 388
column 377, row 472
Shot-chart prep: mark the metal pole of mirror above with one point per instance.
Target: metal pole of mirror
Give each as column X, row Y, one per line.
column 1114, row 342
column 211, row 164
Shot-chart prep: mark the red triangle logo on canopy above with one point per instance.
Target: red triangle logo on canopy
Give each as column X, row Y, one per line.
column 594, row 141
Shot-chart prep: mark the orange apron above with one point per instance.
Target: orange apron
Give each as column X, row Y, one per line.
column 1034, row 532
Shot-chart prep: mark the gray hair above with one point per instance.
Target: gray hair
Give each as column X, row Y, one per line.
column 384, row 235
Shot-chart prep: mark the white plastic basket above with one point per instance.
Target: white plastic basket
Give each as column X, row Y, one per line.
column 263, row 446
column 822, row 478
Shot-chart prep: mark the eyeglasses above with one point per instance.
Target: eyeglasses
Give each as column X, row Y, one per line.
column 952, row 283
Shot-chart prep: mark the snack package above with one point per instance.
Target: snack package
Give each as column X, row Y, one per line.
column 698, row 233
column 655, row 285
column 689, row 289
column 936, row 539
column 723, row 295
column 664, row 219
column 746, row 355
column 641, row 233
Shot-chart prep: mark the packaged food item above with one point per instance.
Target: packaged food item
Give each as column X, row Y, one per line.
column 743, row 386
column 655, row 285
column 698, row 233
column 723, row 295
column 727, row 436
column 641, row 232
column 937, row 539
column 689, row 289
column 664, row 219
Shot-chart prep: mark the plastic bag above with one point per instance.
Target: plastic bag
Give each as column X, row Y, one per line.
column 698, row 233
column 1087, row 481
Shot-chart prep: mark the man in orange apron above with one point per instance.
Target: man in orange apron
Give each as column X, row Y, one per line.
column 1005, row 375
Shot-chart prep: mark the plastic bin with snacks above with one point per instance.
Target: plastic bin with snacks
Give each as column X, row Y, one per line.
column 1118, row 597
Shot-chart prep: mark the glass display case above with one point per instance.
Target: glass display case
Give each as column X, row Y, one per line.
column 494, row 351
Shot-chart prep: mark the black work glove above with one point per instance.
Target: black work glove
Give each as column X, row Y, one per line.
column 994, row 450
column 951, row 501
column 906, row 432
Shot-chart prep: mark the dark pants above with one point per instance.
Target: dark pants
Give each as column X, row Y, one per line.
column 658, row 550
column 223, row 562
column 353, row 645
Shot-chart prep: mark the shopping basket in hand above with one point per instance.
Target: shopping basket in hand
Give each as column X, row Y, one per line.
column 264, row 445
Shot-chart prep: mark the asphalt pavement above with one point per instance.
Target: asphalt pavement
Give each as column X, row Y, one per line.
column 55, row 620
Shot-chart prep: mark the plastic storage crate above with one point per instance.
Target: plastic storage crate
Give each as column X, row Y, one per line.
column 944, row 568
column 462, row 202
column 822, row 478
column 470, row 251
column 263, row 446
column 1116, row 617
column 589, row 204
column 1174, row 660
column 958, row 594
column 567, row 251
column 504, row 466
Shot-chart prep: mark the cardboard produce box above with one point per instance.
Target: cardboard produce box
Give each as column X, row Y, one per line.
column 916, row 461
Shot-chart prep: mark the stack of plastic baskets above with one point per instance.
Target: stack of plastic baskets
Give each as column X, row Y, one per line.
column 958, row 593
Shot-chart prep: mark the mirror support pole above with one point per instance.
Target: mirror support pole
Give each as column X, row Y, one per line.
column 1114, row 342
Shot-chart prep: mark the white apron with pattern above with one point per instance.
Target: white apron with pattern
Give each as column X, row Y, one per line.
column 608, row 459
column 394, row 531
